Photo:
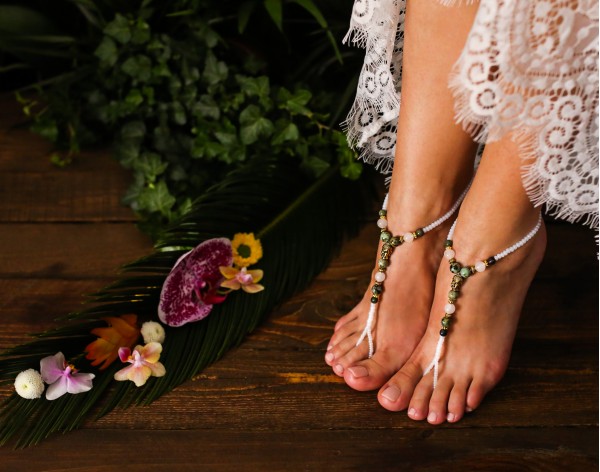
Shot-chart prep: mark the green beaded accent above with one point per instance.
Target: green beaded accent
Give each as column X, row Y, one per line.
column 455, row 267
column 446, row 322
column 419, row 233
column 448, row 243
column 465, row 272
column 452, row 295
column 374, row 299
column 383, row 263
column 382, row 213
column 377, row 289
column 385, row 236
column 396, row 241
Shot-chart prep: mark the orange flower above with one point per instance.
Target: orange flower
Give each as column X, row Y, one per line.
column 122, row 331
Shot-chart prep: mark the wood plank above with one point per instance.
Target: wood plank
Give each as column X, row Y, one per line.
column 69, row 250
column 63, row 196
column 431, row 449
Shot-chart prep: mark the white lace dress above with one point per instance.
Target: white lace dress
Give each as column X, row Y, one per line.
column 529, row 67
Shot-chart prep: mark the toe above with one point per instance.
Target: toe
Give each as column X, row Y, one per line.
column 457, row 401
column 396, row 394
column 340, row 350
column 345, row 320
column 419, row 402
column 438, row 405
column 366, row 375
column 477, row 390
column 343, row 333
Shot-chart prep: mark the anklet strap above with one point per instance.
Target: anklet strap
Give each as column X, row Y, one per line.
column 390, row 242
column 461, row 274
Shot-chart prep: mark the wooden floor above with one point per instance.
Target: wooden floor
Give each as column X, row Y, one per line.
column 273, row 404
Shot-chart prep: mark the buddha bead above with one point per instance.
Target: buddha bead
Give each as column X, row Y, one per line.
column 465, row 272
column 382, row 223
column 379, row 277
column 419, row 233
column 408, row 237
column 449, row 309
column 385, row 236
column 455, row 267
column 449, row 254
column 396, row 241
column 453, row 295
column 480, row 266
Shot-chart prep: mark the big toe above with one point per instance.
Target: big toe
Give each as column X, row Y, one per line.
column 366, row 375
column 395, row 395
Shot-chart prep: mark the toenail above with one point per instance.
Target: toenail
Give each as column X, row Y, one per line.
column 339, row 369
column 358, row 371
column 329, row 356
column 330, row 347
column 451, row 417
column 391, row 393
column 412, row 412
column 468, row 409
column 432, row 417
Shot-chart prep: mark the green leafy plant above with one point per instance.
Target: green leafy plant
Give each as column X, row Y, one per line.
column 181, row 105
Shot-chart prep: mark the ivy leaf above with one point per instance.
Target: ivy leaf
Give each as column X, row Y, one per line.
column 138, row 67
column 151, row 166
column 289, row 133
column 119, row 29
column 134, row 130
column 156, row 198
column 254, row 125
column 107, row 52
column 254, row 86
column 214, row 71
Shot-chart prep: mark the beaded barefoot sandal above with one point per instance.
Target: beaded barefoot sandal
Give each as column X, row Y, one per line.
column 390, row 242
column 461, row 274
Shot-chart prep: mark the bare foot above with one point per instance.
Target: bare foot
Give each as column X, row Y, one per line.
column 479, row 342
column 402, row 315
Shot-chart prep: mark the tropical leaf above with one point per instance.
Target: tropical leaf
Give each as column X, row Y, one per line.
column 300, row 224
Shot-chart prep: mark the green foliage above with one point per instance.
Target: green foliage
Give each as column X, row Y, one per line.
column 180, row 105
column 300, row 226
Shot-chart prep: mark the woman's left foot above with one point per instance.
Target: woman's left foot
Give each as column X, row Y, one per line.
column 479, row 341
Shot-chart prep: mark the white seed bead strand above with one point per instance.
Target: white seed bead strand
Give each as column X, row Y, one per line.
column 522, row 242
column 450, row 212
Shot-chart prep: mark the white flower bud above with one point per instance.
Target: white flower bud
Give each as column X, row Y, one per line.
column 29, row 384
column 153, row 332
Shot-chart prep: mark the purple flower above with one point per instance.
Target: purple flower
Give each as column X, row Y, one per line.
column 62, row 377
column 190, row 290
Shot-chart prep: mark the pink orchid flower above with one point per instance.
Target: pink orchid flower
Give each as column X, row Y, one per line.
column 191, row 288
column 62, row 377
column 144, row 363
column 242, row 278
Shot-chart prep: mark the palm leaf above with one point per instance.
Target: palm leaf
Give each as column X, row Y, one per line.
column 300, row 224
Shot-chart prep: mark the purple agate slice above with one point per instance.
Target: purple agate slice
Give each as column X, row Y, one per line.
column 190, row 290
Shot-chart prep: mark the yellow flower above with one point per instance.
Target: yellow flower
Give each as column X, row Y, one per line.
column 242, row 278
column 246, row 249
